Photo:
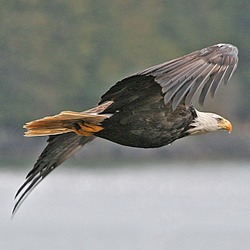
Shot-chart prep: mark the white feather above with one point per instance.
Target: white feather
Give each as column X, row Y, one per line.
column 204, row 123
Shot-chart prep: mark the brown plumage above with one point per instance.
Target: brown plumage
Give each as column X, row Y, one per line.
column 151, row 108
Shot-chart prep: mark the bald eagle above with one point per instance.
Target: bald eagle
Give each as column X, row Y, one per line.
column 148, row 109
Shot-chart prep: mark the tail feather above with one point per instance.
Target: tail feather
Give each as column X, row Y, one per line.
column 82, row 123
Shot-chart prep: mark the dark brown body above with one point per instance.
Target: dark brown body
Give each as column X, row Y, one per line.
column 140, row 116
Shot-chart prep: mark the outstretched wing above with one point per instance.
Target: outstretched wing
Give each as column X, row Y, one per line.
column 203, row 70
column 180, row 79
column 59, row 148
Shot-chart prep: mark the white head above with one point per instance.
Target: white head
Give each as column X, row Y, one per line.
column 208, row 122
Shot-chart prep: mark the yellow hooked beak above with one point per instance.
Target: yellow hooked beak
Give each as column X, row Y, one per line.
column 226, row 125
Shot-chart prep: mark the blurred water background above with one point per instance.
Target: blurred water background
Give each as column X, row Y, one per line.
column 198, row 205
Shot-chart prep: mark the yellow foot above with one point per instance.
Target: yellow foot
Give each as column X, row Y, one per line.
column 86, row 129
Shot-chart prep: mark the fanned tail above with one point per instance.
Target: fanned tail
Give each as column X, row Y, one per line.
column 81, row 123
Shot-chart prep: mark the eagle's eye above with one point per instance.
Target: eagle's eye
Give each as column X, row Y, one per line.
column 219, row 119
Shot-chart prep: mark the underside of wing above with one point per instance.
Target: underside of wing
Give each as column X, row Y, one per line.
column 203, row 70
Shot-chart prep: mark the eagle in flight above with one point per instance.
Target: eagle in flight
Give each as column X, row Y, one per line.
column 149, row 109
